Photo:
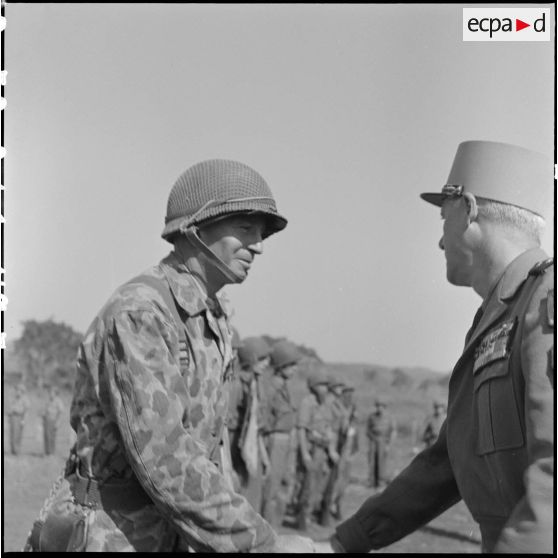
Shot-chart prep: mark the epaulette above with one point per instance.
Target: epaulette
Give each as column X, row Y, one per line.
column 540, row 267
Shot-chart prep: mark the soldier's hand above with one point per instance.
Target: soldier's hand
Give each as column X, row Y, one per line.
column 334, row 456
column 294, row 544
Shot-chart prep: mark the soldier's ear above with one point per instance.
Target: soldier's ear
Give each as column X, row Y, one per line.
column 472, row 206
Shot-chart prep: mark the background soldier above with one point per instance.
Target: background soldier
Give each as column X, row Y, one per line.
column 496, row 447
column 434, row 422
column 339, row 427
column 278, row 429
column 16, row 412
column 246, row 407
column 151, row 393
column 347, row 447
column 317, row 451
column 52, row 413
column 380, row 431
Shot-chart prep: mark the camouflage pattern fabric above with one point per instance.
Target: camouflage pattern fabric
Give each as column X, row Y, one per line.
column 145, row 407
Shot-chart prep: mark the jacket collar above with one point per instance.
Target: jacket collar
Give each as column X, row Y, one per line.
column 516, row 273
column 187, row 292
column 505, row 289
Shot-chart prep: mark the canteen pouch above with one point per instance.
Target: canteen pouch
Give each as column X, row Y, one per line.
column 64, row 533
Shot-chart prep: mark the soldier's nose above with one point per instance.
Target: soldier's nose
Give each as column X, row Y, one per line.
column 257, row 247
column 441, row 243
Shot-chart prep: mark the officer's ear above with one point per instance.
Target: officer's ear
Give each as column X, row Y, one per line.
column 472, row 206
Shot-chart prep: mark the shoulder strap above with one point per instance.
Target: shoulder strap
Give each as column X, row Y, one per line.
column 163, row 288
column 540, row 267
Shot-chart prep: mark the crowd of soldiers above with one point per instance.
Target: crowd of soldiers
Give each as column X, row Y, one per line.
column 291, row 457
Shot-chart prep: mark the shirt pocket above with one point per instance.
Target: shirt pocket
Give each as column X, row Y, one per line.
column 496, row 413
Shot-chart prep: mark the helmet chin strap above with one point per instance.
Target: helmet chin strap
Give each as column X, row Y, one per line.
column 214, row 260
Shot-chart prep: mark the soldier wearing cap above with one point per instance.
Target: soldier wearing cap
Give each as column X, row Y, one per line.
column 380, row 432
column 245, row 421
column 496, row 448
column 317, row 450
column 150, row 402
column 433, row 423
column 279, row 431
column 17, row 410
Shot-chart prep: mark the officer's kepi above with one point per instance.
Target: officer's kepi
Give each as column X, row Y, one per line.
column 502, row 173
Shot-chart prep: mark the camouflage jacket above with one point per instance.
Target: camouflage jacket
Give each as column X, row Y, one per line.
column 145, row 408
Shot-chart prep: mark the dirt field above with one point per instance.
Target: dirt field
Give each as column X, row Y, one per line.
column 27, row 479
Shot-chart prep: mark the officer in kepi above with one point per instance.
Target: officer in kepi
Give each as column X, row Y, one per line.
column 496, row 448
column 150, row 400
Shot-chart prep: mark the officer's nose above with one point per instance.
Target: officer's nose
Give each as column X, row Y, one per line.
column 441, row 243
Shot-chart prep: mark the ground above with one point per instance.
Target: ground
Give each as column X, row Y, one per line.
column 27, row 479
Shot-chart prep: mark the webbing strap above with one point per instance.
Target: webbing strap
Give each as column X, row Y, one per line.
column 163, row 288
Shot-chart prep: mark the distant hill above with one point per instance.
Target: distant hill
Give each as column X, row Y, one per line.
column 410, row 391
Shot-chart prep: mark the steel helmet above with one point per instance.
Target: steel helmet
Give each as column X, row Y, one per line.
column 284, row 353
column 334, row 382
column 217, row 188
column 316, row 377
column 252, row 350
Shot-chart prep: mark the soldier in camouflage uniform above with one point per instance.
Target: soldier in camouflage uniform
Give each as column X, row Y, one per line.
column 247, row 407
column 317, row 451
column 151, row 395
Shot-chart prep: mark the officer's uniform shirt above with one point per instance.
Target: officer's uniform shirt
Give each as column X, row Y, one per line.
column 496, row 448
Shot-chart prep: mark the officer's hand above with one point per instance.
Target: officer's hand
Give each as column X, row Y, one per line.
column 294, row 544
column 334, row 457
column 307, row 460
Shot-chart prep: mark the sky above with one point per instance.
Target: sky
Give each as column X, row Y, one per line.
column 348, row 111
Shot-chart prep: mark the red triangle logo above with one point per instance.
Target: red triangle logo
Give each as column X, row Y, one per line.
column 519, row 25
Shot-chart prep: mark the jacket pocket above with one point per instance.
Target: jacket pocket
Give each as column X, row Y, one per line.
column 497, row 417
